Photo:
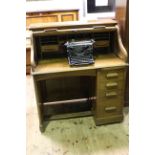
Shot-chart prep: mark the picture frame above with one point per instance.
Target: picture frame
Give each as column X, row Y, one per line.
column 100, row 11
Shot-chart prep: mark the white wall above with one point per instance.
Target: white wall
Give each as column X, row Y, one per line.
column 49, row 5
column 55, row 5
column 52, row 5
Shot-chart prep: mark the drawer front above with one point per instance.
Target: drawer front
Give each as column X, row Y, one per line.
column 111, row 110
column 110, row 92
column 112, row 74
column 112, row 85
column 113, row 101
column 112, row 95
column 107, row 111
column 109, row 103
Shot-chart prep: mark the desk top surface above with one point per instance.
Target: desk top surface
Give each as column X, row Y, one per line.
column 61, row 64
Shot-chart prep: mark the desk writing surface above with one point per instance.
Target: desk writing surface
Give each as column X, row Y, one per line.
column 61, row 64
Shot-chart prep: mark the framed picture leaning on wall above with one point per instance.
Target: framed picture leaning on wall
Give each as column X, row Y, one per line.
column 96, row 9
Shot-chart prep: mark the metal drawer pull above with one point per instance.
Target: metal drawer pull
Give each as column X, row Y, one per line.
column 110, row 109
column 112, row 75
column 111, row 94
column 112, row 84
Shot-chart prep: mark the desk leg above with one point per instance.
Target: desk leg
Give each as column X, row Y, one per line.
column 37, row 88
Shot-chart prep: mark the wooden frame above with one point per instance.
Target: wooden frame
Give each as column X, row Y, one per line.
column 93, row 12
column 100, row 86
column 95, row 9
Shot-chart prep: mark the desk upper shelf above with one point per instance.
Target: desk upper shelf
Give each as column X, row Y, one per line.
column 61, row 64
column 72, row 24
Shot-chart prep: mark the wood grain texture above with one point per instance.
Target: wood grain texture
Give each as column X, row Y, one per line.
column 61, row 64
column 109, row 103
column 28, row 55
column 122, row 16
column 28, row 69
column 122, row 53
column 107, row 22
column 108, row 74
column 127, row 47
column 51, row 16
column 45, row 17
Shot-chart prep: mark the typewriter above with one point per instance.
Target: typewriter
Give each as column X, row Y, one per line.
column 80, row 52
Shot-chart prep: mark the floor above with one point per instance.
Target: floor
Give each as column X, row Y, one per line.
column 78, row 136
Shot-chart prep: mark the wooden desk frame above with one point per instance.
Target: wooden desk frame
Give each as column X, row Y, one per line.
column 108, row 71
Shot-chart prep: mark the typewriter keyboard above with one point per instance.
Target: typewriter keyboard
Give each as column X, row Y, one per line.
column 81, row 60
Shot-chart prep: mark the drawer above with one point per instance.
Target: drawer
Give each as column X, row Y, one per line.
column 107, row 111
column 110, row 95
column 110, row 106
column 112, row 74
column 112, row 110
column 112, row 85
column 113, row 99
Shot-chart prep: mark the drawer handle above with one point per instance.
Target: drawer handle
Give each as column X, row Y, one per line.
column 111, row 84
column 112, row 75
column 110, row 109
column 111, row 94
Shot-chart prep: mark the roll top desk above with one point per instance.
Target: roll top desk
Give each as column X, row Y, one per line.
column 63, row 91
